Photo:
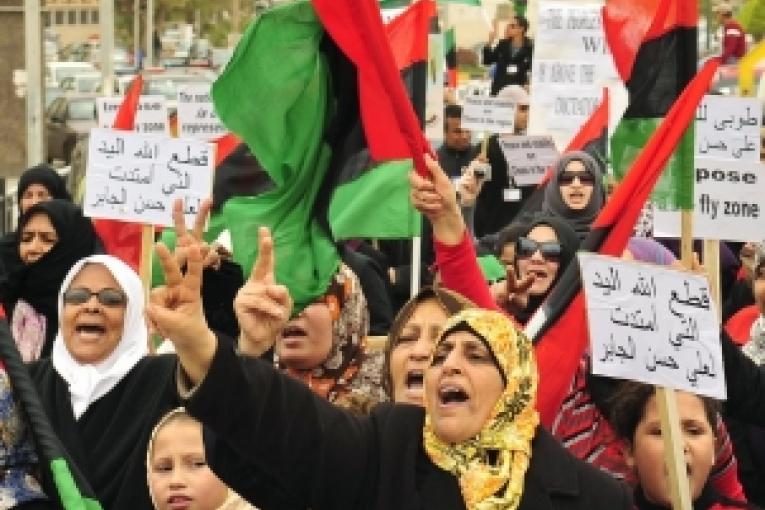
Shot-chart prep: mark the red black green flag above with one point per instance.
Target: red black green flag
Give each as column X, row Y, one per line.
column 314, row 90
column 559, row 328
column 654, row 47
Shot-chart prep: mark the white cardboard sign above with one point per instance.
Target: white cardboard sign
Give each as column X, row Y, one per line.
column 572, row 63
column 728, row 128
column 652, row 324
column 196, row 114
column 729, row 200
column 151, row 116
column 489, row 114
column 528, row 157
column 135, row 177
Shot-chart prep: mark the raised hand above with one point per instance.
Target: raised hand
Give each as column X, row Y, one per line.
column 262, row 306
column 193, row 237
column 512, row 292
column 175, row 312
column 436, row 198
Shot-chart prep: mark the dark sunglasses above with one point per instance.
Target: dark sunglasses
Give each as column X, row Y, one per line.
column 107, row 297
column 550, row 250
column 566, row 177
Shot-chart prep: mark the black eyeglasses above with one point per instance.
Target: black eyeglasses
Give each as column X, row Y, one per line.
column 566, row 177
column 107, row 297
column 550, row 250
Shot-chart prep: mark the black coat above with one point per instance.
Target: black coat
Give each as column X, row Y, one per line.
column 281, row 447
column 109, row 441
column 512, row 68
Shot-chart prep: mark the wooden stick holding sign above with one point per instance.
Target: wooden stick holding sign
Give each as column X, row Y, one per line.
column 655, row 325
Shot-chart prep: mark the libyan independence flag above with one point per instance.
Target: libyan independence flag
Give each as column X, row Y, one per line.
column 63, row 482
column 654, row 47
column 315, row 92
column 559, row 328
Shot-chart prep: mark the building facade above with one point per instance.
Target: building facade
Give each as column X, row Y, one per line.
column 74, row 21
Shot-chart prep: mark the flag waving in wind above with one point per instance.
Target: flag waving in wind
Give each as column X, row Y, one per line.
column 299, row 81
column 654, row 47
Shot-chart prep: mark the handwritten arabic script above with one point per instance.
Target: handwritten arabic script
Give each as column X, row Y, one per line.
column 135, row 177
column 652, row 324
column 728, row 128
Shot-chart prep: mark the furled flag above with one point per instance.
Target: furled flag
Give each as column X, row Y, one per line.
column 654, row 47
column 60, row 476
column 299, row 81
column 450, row 55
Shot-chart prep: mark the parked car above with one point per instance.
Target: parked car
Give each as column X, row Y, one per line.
column 67, row 119
column 56, row 72
column 83, row 82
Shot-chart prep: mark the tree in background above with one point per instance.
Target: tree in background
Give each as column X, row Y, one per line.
column 752, row 17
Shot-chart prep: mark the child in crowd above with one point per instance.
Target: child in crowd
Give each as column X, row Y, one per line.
column 635, row 418
column 179, row 478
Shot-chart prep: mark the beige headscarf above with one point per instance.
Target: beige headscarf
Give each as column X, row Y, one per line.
column 511, row 425
column 233, row 500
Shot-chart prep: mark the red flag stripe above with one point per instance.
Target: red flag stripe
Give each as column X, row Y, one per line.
column 122, row 239
column 391, row 127
column 628, row 24
column 561, row 347
column 407, row 33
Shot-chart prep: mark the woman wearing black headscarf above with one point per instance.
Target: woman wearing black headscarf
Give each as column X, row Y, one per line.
column 36, row 184
column 575, row 192
column 51, row 237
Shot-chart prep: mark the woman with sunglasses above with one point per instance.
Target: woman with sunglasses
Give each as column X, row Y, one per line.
column 100, row 390
column 576, row 192
column 52, row 235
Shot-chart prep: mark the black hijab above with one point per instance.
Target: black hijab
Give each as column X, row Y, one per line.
column 46, row 176
column 38, row 283
column 569, row 244
column 553, row 201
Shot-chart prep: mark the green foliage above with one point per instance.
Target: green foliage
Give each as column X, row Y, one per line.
column 752, row 17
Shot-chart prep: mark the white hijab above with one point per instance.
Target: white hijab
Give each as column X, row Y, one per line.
column 89, row 382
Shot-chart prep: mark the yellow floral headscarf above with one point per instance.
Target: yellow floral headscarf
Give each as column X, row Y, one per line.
column 507, row 435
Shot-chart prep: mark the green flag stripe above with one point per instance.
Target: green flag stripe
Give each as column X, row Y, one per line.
column 675, row 187
column 376, row 204
column 67, row 488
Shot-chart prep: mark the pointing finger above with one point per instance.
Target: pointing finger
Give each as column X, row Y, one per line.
column 263, row 270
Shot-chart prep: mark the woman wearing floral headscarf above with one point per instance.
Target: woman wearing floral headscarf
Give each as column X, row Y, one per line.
column 323, row 345
column 476, row 444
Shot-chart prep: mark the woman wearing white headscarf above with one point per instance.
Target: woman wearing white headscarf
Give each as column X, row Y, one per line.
column 100, row 390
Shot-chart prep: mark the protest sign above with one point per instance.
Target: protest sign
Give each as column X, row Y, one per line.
column 489, row 114
column 135, row 177
column 528, row 157
column 151, row 116
column 572, row 64
column 196, row 114
column 728, row 128
column 729, row 200
column 652, row 324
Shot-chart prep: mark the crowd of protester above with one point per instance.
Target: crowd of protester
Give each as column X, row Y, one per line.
column 217, row 394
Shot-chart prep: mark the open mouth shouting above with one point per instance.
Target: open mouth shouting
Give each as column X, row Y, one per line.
column 452, row 395
column 90, row 330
